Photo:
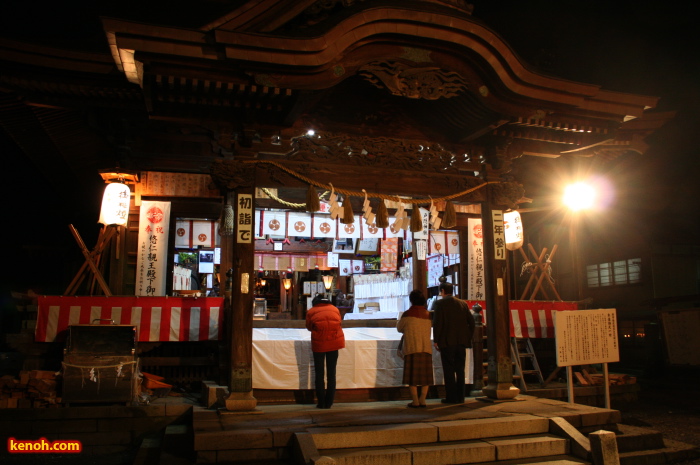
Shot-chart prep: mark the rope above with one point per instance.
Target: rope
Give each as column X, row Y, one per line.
column 362, row 194
column 284, row 202
column 97, row 366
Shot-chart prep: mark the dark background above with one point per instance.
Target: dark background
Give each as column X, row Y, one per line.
column 636, row 47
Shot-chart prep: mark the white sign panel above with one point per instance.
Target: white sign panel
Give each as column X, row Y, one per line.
column 244, row 219
column 151, row 258
column 586, row 336
column 332, row 260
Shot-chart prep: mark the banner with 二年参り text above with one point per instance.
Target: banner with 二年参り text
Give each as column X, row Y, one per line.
column 152, row 254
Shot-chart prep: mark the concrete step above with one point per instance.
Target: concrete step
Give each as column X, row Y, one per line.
column 633, row 438
column 493, row 450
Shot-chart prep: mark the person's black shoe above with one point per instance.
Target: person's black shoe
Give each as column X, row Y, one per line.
column 410, row 405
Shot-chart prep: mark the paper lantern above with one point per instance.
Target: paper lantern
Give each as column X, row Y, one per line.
column 115, row 204
column 514, row 230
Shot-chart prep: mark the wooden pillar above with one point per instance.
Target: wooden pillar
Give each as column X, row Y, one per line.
column 225, row 286
column 478, row 351
column 420, row 277
column 241, row 343
column 500, row 364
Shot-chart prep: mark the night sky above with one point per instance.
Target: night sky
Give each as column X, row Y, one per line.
column 629, row 46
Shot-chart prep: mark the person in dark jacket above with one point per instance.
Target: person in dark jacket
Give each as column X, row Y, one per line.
column 327, row 338
column 417, row 349
column 453, row 328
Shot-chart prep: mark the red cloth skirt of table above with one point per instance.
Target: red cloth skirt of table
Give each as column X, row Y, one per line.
column 155, row 318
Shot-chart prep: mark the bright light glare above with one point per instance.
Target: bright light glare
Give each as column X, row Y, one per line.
column 579, row 196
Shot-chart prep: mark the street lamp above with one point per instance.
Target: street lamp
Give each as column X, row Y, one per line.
column 578, row 197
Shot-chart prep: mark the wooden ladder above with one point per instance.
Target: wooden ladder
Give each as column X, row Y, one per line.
column 525, row 361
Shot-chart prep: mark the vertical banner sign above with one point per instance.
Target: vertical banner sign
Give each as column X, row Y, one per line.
column 425, row 221
column 499, row 235
column 586, row 337
column 151, row 260
column 244, row 219
column 475, row 236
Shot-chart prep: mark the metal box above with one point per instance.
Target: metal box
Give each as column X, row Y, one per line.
column 100, row 364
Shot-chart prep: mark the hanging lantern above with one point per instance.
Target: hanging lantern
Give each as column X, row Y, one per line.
column 513, row 230
column 115, row 204
column 287, row 284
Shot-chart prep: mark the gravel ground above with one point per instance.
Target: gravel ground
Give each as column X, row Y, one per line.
column 669, row 404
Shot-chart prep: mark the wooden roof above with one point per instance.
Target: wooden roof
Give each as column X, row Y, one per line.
column 397, row 74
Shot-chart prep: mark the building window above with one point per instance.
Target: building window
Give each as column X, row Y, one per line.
column 616, row 273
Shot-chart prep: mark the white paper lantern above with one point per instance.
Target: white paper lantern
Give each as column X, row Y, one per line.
column 514, row 230
column 115, row 204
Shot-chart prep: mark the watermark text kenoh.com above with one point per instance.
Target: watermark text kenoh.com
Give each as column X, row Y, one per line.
column 44, row 446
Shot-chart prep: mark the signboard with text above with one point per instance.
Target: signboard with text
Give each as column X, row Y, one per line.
column 499, row 235
column 244, row 219
column 585, row 337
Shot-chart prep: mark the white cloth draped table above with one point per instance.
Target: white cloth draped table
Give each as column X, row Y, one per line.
column 282, row 359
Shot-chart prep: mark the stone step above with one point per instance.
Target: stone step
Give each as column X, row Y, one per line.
column 426, row 433
column 633, row 438
column 177, row 447
column 554, row 460
column 493, row 450
column 673, row 452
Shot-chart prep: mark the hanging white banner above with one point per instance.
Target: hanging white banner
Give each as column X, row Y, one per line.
column 324, row 226
column 203, row 233
column 299, row 225
column 394, row 229
column 274, row 223
column 477, row 290
column 371, row 231
column 437, row 243
column 452, row 242
column 152, row 254
column 350, row 230
column 183, row 234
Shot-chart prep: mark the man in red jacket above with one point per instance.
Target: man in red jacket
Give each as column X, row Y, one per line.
column 327, row 337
